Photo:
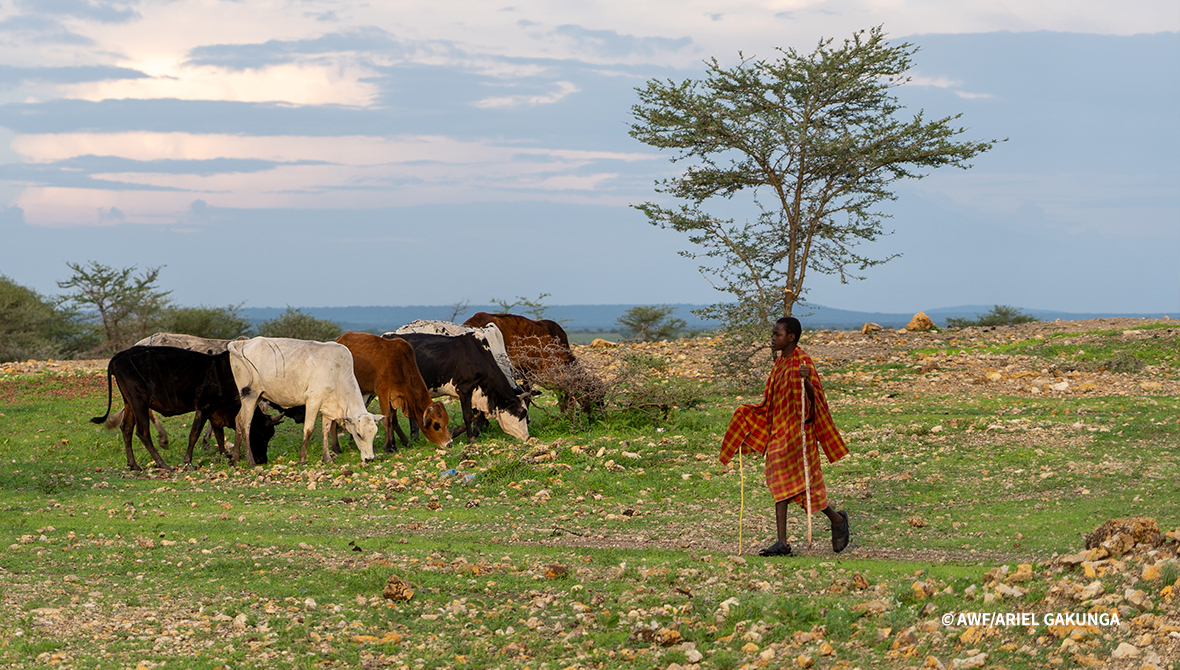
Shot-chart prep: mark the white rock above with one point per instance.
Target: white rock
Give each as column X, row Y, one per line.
column 1125, row 650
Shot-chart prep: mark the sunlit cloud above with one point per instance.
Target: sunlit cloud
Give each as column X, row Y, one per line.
column 297, row 84
column 564, row 88
column 157, row 175
column 936, row 82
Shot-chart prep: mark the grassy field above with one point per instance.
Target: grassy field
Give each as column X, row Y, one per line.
column 616, row 546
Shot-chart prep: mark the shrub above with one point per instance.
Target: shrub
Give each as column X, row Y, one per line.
column 34, row 327
column 219, row 323
column 1001, row 315
column 296, row 324
column 648, row 323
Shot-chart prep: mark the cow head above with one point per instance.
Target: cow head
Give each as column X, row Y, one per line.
column 436, row 425
column 363, row 429
column 515, row 420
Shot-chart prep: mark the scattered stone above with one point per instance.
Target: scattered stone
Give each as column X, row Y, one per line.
column 397, row 589
column 1150, row 573
column 920, row 322
column 666, row 637
column 750, row 648
column 1009, row 591
column 1024, row 572
column 916, row 522
column 1118, row 536
column 870, row 328
column 1125, row 650
column 871, row 607
column 970, row 662
column 555, row 571
column 804, row 661
column 934, row 663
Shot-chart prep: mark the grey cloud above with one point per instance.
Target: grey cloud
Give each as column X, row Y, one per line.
column 79, row 171
column 611, row 43
column 12, row 216
column 38, row 29
column 100, row 10
column 13, row 76
column 248, row 56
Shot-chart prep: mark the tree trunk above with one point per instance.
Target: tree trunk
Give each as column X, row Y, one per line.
column 789, row 298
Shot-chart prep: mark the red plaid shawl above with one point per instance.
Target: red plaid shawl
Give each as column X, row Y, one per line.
column 772, row 428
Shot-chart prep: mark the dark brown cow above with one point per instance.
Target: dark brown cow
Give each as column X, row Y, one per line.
column 387, row 368
column 540, row 353
column 534, row 347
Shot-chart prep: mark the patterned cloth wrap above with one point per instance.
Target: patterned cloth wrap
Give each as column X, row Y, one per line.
column 772, row 428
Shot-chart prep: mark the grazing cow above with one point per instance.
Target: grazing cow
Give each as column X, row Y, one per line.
column 290, row 373
column 387, row 368
column 190, row 342
column 462, row 367
column 175, row 381
column 540, row 350
column 490, row 334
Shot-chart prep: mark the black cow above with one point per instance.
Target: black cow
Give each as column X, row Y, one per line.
column 174, row 381
column 462, row 366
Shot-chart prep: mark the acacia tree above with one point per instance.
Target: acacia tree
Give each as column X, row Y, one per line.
column 649, row 323
column 125, row 306
column 817, row 139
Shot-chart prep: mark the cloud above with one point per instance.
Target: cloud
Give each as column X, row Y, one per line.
column 70, row 177
column 972, row 96
column 12, row 216
column 614, row 44
column 39, row 30
column 236, row 57
column 564, row 88
column 12, row 76
column 102, row 11
column 936, row 82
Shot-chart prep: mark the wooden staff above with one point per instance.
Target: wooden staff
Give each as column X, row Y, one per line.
column 803, row 375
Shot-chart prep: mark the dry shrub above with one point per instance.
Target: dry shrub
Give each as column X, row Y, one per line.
column 742, row 359
column 631, row 382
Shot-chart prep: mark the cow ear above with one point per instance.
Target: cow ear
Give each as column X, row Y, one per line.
column 377, row 417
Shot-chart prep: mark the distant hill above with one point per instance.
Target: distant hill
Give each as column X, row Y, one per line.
column 603, row 318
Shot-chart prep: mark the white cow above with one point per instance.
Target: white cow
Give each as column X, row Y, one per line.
column 489, row 334
column 290, row 373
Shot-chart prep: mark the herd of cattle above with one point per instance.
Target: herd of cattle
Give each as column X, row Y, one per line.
column 485, row 363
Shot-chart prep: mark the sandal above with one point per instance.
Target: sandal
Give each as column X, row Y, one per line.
column 776, row 549
column 840, row 534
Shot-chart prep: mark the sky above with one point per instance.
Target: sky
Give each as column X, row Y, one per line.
column 309, row 153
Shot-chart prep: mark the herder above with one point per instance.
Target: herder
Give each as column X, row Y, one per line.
column 776, row 428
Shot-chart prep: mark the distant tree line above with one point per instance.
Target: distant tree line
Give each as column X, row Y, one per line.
column 106, row 309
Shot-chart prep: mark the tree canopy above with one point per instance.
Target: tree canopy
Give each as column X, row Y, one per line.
column 818, row 141
column 649, row 323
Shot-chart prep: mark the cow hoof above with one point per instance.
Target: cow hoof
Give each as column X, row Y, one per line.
column 368, row 460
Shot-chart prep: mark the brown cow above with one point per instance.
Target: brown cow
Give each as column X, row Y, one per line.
column 387, row 368
column 540, row 352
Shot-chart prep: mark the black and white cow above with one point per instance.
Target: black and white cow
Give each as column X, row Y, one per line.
column 174, row 381
column 462, row 366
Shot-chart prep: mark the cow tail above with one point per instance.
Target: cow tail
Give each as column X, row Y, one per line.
column 103, row 418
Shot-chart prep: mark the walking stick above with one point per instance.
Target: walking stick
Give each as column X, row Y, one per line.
column 803, row 374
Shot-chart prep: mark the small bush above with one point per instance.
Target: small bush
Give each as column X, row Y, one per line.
column 649, row 323
column 219, row 323
column 296, row 324
column 1123, row 362
column 743, row 358
column 1001, row 315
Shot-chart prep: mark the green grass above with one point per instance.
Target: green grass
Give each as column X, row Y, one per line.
column 147, row 567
